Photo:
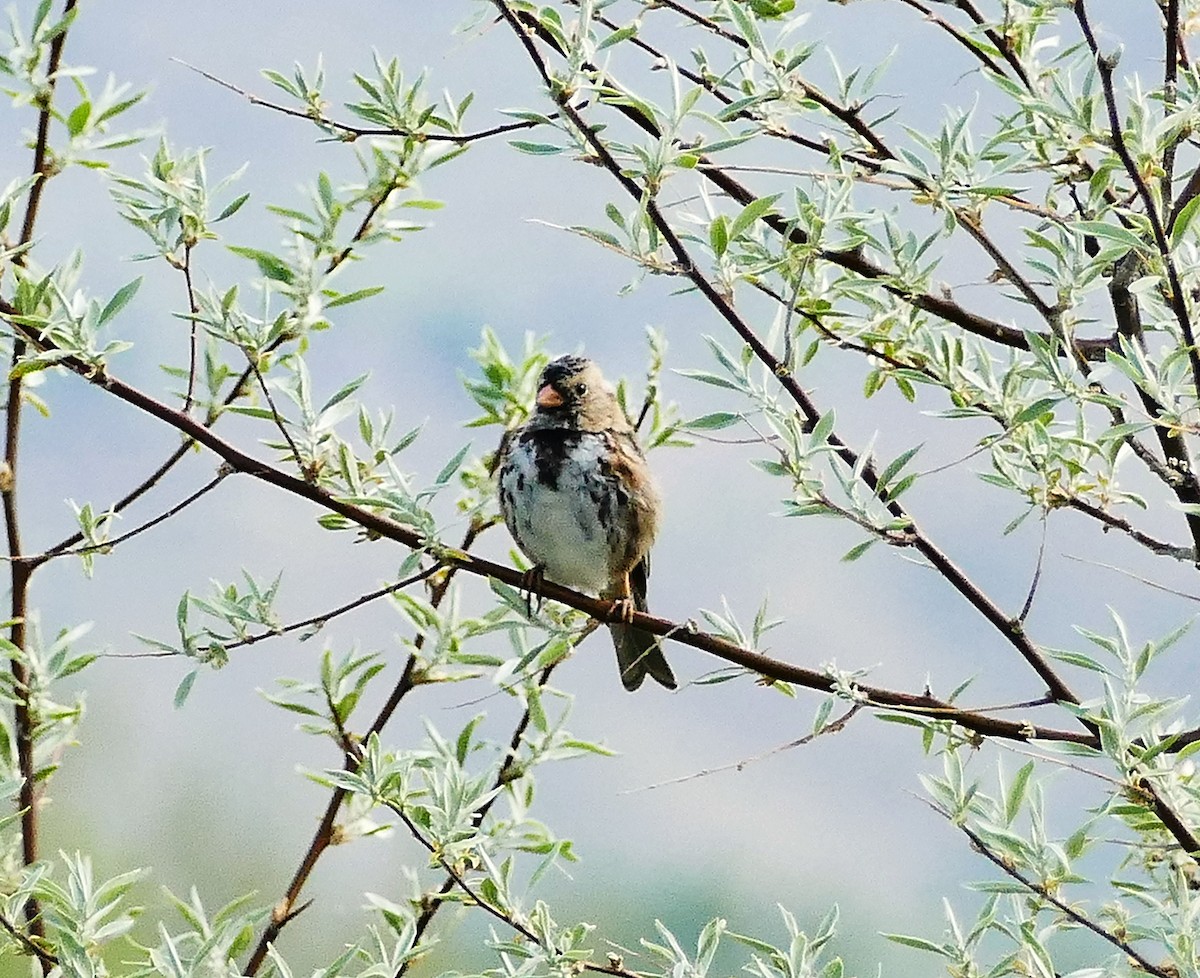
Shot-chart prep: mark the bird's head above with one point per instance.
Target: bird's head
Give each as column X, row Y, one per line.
column 569, row 386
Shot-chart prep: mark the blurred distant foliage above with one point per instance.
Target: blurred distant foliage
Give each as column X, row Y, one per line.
column 755, row 164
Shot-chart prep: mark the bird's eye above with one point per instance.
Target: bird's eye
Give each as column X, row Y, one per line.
column 582, row 389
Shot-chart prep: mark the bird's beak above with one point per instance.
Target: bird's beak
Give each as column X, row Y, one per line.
column 548, row 397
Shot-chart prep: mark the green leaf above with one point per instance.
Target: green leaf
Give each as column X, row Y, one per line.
column 714, row 421
column 119, row 301
column 185, row 688
column 78, row 119
column 855, row 552
column 536, row 149
column 1016, row 794
column 1035, row 410
column 617, row 36
column 751, row 213
column 270, row 265
column 918, row 942
column 347, row 298
column 231, row 208
column 1184, row 220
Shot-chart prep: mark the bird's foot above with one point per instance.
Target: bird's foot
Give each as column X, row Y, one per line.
column 621, row 611
column 531, row 583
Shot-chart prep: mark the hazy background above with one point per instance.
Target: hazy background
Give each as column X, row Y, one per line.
column 212, row 793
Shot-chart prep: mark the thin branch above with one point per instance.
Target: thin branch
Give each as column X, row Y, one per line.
column 1136, row 577
column 32, row 947
column 36, row 560
column 285, row 910
column 276, row 417
column 506, row 772
column 971, row 47
column 193, row 338
column 854, row 260
column 837, row 725
column 1037, row 573
column 503, row 916
column 851, row 117
column 235, row 392
column 349, row 132
column 1161, row 547
column 1005, row 866
column 320, row 621
column 1172, row 37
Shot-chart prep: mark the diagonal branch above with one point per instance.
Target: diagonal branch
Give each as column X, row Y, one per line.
column 1005, row 866
column 1105, row 65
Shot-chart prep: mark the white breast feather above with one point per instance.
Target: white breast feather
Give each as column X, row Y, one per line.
column 558, row 528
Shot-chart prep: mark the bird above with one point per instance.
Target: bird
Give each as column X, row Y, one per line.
column 579, row 500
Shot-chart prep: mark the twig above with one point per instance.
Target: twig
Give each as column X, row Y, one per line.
column 36, row 560
column 193, row 338
column 457, row 879
column 31, row 946
column 1037, row 573
column 284, row 910
column 1136, row 577
column 833, row 726
column 319, row 621
column 1161, row 547
column 354, row 132
column 1042, row 891
column 505, row 773
column 276, row 417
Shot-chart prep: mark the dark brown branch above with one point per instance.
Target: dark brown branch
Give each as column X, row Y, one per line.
column 1178, row 474
column 969, row 46
column 319, row 621
column 286, row 910
column 32, row 947
column 505, row 773
column 193, row 338
column 1105, row 65
column 1006, row 867
column 1161, row 547
column 23, row 714
column 1171, row 36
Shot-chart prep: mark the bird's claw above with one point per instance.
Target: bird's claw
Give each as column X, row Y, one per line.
column 531, row 583
column 621, row 611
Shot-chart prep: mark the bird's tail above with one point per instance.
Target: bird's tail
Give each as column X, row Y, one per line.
column 638, row 652
column 639, row 656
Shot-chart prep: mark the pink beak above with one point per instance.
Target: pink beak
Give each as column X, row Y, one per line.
column 548, row 397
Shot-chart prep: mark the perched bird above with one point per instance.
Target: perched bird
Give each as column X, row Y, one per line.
column 577, row 496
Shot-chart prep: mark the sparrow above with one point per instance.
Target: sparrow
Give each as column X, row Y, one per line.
column 577, row 497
